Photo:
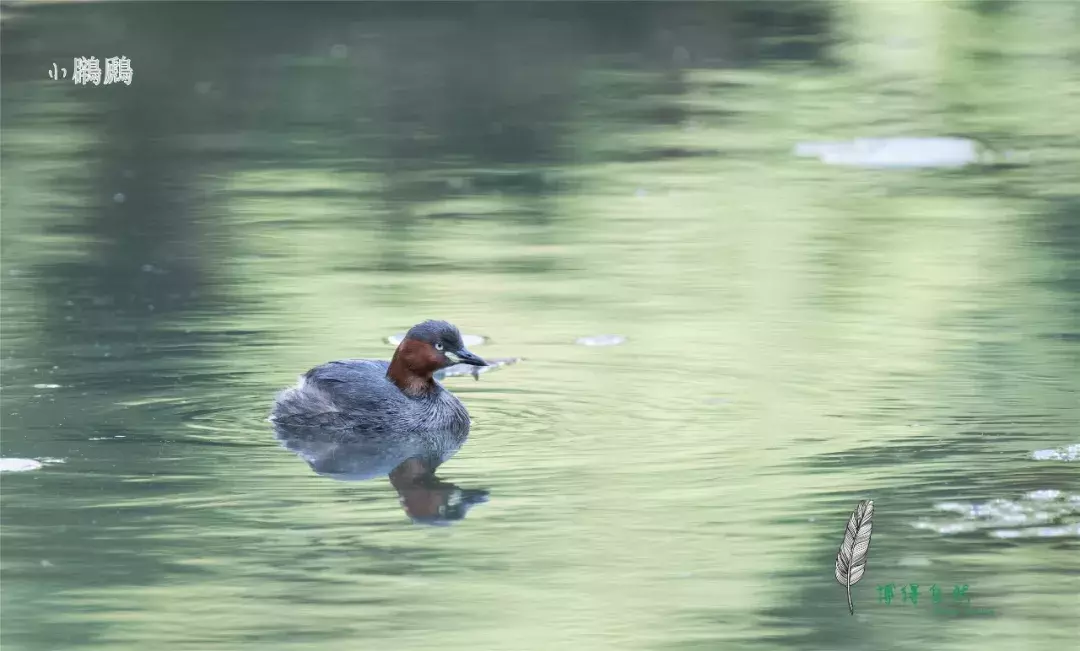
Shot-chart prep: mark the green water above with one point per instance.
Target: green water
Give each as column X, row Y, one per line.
column 283, row 185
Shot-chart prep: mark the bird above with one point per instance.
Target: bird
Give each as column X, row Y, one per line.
column 393, row 410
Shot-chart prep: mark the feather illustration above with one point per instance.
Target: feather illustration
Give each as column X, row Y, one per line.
column 851, row 557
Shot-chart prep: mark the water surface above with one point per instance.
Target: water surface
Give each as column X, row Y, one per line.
column 282, row 185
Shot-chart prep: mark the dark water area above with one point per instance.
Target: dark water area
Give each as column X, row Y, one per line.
column 284, row 184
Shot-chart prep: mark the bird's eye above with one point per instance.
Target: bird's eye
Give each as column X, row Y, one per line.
column 438, row 345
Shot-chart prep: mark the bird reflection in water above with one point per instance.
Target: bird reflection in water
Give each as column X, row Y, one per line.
column 339, row 453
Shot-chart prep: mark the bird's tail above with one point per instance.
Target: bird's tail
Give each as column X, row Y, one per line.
column 303, row 401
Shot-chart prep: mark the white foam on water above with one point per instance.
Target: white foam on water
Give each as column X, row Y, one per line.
column 1041, row 513
column 601, row 340
column 14, row 464
column 1068, row 453
column 896, row 152
column 1068, row 530
column 9, row 464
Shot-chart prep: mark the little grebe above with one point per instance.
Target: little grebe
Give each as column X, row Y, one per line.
column 387, row 402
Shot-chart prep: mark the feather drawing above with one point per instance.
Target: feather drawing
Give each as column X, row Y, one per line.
column 851, row 557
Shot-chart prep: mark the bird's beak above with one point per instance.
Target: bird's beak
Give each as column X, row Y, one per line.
column 463, row 356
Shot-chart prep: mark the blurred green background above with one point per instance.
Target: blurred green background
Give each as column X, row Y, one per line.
column 284, row 184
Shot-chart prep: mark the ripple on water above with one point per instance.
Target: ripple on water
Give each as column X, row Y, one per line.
column 1068, row 453
column 468, row 340
column 601, row 340
column 1046, row 513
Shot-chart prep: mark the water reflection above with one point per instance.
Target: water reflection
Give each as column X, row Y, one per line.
column 340, row 452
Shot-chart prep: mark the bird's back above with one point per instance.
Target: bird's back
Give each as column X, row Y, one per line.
column 358, row 392
column 356, row 385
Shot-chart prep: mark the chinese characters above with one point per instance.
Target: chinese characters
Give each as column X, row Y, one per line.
column 87, row 70
column 910, row 593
